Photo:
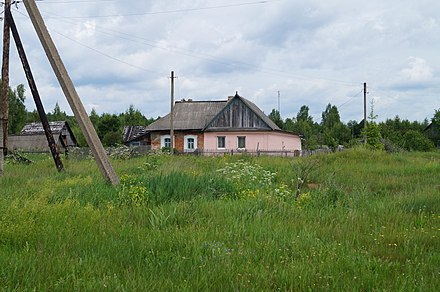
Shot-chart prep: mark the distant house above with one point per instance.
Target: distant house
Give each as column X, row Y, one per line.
column 233, row 125
column 33, row 139
column 136, row 136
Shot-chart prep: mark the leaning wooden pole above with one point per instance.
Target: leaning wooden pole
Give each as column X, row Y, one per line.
column 70, row 93
column 32, row 85
column 4, row 92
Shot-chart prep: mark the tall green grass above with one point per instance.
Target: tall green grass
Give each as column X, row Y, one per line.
column 372, row 223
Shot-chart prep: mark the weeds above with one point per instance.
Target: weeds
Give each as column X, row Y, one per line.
column 179, row 224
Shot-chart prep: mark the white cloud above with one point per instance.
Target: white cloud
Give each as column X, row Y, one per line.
column 418, row 70
column 314, row 52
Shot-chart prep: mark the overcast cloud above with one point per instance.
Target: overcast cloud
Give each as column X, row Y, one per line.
column 314, row 52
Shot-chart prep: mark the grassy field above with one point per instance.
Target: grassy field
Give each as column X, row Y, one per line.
column 367, row 221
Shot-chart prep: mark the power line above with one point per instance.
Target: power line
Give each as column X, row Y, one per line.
column 77, row 1
column 351, row 99
column 199, row 55
column 100, row 52
column 176, row 10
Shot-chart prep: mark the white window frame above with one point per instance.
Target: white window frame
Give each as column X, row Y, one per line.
column 185, row 143
column 238, row 143
column 224, row 142
column 162, row 141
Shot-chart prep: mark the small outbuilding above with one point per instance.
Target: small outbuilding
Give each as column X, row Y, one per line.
column 33, row 139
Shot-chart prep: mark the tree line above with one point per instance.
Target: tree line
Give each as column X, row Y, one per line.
column 392, row 134
column 109, row 127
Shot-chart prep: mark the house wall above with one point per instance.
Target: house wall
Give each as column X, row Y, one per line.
column 179, row 139
column 32, row 143
column 265, row 141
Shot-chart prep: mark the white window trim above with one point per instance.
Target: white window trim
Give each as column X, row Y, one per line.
column 221, row 148
column 162, row 140
column 244, row 143
column 185, row 143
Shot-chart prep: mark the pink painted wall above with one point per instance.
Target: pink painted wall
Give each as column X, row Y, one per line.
column 273, row 141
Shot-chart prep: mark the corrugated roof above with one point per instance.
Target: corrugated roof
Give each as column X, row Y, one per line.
column 189, row 115
column 37, row 128
column 133, row 132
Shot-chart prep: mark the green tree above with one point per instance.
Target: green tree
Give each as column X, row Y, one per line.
column 109, row 127
column 57, row 114
column 94, row 118
column 416, row 141
column 307, row 128
column 372, row 131
column 133, row 117
column 373, row 136
column 17, row 109
column 334, row 131
column 275, row 116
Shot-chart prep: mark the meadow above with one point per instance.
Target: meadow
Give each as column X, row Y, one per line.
column 360, row 220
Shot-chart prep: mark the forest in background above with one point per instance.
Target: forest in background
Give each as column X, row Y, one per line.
column 393, row 134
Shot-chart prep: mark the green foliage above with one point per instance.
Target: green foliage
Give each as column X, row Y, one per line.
column 275, row 116
column 133, row 192
column 17, row 109
column 373, row 136
column 57, row 114
column 436, row 118
column 416, row 141
column 373, row 218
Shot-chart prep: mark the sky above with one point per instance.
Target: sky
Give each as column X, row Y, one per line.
column 280, row 54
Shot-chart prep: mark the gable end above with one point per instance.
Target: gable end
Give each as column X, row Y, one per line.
column 237, row 115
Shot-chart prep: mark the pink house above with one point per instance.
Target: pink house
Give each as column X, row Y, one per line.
column 233, row 125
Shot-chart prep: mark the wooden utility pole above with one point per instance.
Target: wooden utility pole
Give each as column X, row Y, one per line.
column 172, row 115
column 4, row 93
column 365, row 111
column 33, row 86
column 71, row 94
column 365, row 104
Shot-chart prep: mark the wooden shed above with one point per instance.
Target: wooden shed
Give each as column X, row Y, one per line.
column 33, row 139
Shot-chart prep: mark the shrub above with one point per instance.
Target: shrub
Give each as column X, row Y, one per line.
column 416, row 141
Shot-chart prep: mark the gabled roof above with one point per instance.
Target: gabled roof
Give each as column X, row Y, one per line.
column 198, row 115
column 267, row 123
column 133, row 132
column 37, row 128
column 57, row 128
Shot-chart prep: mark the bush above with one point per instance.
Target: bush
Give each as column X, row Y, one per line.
column 416, row 141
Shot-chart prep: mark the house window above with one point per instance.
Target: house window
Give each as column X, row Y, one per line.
column 241, row 142
column 221, row 142
column 190, row 143
column 165, row 141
